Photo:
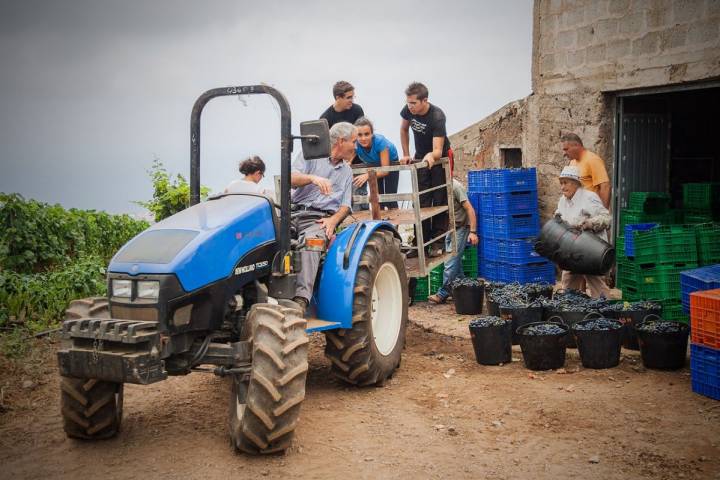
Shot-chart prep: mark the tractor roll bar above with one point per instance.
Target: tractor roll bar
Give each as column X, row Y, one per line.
column 286, row 146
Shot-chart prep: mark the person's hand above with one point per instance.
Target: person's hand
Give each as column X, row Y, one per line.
column 405, row 159
column 360, row 180
column 329, row 224
column 323, row 184
column 587, row 225
column 473, row 238
column 430, row 160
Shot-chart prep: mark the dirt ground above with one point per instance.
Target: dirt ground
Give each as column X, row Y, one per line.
column 441, row 416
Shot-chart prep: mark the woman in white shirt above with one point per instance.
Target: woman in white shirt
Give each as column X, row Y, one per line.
column 253, row 170
column 582, row 209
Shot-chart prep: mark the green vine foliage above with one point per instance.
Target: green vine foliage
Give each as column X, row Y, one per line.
column 170, row 195
column 50, row 256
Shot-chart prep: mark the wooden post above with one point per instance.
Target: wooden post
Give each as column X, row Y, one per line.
column 373, row 198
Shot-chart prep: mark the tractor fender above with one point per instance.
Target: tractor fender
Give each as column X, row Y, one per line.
column 334, row 296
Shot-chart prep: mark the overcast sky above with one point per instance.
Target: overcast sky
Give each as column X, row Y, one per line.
column 93, row 90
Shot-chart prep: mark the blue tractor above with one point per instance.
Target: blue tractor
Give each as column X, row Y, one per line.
column 210, row 288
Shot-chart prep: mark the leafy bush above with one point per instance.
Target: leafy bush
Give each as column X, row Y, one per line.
column 38, row 300
column 37, row 237
column 170, row 195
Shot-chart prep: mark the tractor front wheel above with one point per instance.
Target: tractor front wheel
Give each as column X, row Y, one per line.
column 91, row 409
column 369, row 352
column 265, row 406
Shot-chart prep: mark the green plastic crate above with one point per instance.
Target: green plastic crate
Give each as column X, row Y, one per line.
column 630, row 217
column 436, row 277
column 649, row 202
column 701, row 196
column 708, row 243
column 422, row 289
column 620, row 247
column 658, row 283
column 666, row 244
column 672, row 310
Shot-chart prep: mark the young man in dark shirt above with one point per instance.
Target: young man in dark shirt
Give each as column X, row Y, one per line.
column 431, row 144
column 343, row 110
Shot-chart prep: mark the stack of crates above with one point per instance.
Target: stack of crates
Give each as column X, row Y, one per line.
column 707, row 236
column 701, row 202
column 436, row 278
column 652, row 272
column 705, row 347
column 422, row 289
column 703, row 278
column 508, row 222
column 648, row 207
column 470, row 262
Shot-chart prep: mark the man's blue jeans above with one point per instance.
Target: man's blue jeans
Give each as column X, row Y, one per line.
column 453, row 267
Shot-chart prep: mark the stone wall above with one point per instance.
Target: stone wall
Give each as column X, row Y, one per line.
column 583, row 52
column 478, row 146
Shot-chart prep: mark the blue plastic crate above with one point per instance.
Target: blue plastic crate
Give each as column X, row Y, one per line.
column 522, row 225
column 705, row 371
column 629, row 237
column 509, row 203
column 510, row 250
column 502, row 180
column 537, row 271
column 703, row 278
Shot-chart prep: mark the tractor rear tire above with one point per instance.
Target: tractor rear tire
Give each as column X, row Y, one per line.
column 91, row 409
column 369, row 352
column 265, row 420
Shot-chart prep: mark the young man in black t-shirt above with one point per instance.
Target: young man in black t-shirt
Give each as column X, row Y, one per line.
column 431, row 144
column 343, row 110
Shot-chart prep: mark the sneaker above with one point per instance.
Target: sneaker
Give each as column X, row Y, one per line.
column 435, row 252
column 436, row 299
column 302, row 303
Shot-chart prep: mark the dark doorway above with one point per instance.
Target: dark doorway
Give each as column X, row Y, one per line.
column 511, row 157
column 666, row 138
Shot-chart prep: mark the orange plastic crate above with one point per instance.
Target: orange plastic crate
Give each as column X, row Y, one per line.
column 705, row 317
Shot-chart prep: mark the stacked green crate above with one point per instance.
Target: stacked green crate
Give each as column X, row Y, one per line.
column 661, row 254
column 422, row 289
column 708, row 243
column 701, row 202
column 436, row 278
column 630, row 217
column 470, row 262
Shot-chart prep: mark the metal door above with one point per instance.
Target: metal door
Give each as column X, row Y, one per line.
column 643, row 156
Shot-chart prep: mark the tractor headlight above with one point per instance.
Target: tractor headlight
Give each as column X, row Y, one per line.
column 148, row 289
column 122, row 288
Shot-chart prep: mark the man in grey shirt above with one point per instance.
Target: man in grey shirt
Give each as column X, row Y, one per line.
column 466, row 231
column 321, row 200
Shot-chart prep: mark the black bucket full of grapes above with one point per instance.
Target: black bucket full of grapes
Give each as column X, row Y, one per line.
column 491, row 340
column 599, row 340
column 543, row 345
column 631, row 315
column 521, row 314
column 468, row 296
column 663, row 344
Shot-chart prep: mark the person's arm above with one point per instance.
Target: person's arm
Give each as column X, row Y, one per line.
column 472, row 221
column 604, row 194
column 598, row 217
column 298, row 179
column 330, row 223
column 436, row 153
column 405, row 141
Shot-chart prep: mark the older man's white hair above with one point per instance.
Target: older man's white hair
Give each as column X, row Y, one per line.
column 342, row 130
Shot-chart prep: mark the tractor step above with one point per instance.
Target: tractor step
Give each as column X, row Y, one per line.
column 317, row 325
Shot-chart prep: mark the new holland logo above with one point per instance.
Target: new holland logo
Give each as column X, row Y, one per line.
column 251, row 267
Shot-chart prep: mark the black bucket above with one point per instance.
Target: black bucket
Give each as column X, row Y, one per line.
column 569, row 318
column 521, row 316
column 543, row 352
column 493, row 307
column 630, row 319
column 663, row 351
column 468, row 299
column 546, row 292
column 599, row 348
column 492, row 343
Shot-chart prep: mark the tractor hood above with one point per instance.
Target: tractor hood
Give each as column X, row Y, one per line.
column 201, row 244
